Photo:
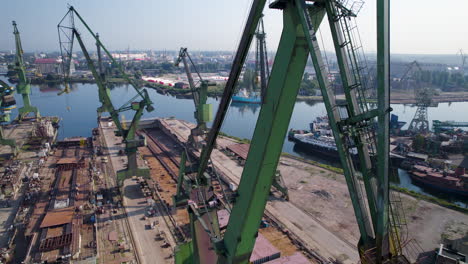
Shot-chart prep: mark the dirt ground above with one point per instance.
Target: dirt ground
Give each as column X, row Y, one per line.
column 324, row 196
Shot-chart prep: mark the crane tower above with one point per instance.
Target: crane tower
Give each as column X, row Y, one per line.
column 353, row 125
column 423, row 93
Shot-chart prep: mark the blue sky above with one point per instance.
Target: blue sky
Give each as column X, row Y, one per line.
column 418, row 26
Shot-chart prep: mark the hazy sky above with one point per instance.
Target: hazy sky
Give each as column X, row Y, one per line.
column 417, row 26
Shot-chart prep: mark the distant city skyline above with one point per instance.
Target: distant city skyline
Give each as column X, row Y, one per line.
column 417, row 26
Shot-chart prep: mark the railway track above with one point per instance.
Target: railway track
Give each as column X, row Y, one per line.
column 111, row 183
column 158, row 150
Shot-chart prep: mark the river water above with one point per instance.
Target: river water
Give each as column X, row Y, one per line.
column 78, row 113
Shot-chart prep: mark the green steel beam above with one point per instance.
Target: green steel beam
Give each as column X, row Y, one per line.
column 328, row 94
column 149, row 108
column 6, row 117
column 383, row 146
column 129, row 135
column 131, row 144
column 239, row 59
column 203, row 110
column 298, row 40
column 8, row 142
column 350, row 85
column 23, row 87
column 267, row 141
column 103, row 90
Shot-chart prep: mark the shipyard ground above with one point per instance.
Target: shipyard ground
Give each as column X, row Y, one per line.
column 320, row 213
column 31, row 148
column 318, row 220
column 148, row 249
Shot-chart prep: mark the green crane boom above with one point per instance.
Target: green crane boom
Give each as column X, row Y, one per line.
column 352, row 125
column 202, row 109
column 132, row 142
column 24, row 87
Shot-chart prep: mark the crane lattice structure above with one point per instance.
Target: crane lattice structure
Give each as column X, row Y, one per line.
column 67, row 34
column 423, row 94
column 262, row 69
column 23, row 87
column 352, row 125
column 203, row 111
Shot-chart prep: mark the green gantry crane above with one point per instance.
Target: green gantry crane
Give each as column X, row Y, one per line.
column 67, row 34
column 7, row 103
column 423, row 93
column 23, row 87
column 352, row 124
column 203, row 111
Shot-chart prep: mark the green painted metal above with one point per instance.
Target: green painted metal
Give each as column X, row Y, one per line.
column 6, row 94
column 351, row 85
column 267, row 141
column 334, row 119
column 8, row 142
column 200, row 180
column 132, row 142
column 350, row 124
column 6, row 90
column 203, row 111
column 23, row 87
column 383, row 146
column 279, row 184
column 184, row 253
column 239, row 59
column 181, row 197
column 262, row 70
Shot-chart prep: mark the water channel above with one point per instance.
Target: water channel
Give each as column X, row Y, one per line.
column 77, row 111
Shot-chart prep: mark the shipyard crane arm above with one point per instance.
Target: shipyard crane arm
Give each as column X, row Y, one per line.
column 132, row 142
column 423, row 94
column 411, row 67
column 199, row 93
column 352, row 125
column 262, row 69
column 24, row 87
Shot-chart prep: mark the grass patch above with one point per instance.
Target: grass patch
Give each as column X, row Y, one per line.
column 435, row 200
column 26, row 147
column 302, row 181
column 239, row 140
column 315, row 163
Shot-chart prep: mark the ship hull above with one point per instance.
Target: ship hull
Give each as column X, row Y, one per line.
column 437, row 187
column 316, row 150
column 247, row 100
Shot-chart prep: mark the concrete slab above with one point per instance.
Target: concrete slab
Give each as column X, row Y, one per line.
column 135, row 206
